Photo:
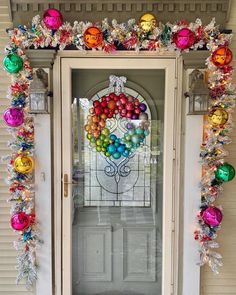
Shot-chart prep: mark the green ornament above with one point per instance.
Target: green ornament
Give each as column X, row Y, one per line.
column 98, row 142
column 102, row 137
column 98, row 148
column 225, row 172
column 105, row 131
column 89, row 136
column 13, row 63
column 107, row 154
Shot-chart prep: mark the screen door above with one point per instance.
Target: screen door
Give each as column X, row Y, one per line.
column 117, row 204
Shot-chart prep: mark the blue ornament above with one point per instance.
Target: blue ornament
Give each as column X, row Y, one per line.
column 111, row 149
column 139, row 131
column 125, row 153
column 116, row 155
column 121, row 148
column 146, row 132
column 113, row 137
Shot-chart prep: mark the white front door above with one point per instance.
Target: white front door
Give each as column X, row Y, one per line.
column 117, row 214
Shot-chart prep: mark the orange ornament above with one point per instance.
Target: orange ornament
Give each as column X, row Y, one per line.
column 93, row 37
column 95, row 119
column 111, row 105
column 222, row 56
column 96, row 133
column 103, row 116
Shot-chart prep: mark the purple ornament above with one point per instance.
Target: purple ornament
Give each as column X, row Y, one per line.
column 130, row 126
column 212, row 216
column 13, row 117
column 135, row 117
column 52, row 18
column 142, row 107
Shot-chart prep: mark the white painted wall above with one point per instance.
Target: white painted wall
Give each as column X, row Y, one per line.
column 192, row 176
column 43, row 201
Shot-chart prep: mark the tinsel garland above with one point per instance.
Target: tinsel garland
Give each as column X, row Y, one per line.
column 116, row 36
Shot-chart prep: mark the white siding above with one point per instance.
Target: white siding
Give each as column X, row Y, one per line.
column 7, row 236
column 225, row 282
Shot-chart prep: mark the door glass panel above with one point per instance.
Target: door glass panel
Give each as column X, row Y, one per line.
column 117, row 222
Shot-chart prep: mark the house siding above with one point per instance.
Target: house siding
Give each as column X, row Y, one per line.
column 7, row 236
column 225, row 282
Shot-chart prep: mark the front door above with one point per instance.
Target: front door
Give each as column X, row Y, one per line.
column 116, row 204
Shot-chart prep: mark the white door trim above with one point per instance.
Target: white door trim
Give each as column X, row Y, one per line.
column 170, row 214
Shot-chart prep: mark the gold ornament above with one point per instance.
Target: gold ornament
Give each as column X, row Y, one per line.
column 148, row 22
column 24, row 164
column 218, row 116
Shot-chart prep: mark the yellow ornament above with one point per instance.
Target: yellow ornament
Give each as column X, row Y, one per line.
column 148, row 22
column 24, row 164
column 218, row 116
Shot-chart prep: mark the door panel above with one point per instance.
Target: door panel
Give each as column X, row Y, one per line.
column 113, row 221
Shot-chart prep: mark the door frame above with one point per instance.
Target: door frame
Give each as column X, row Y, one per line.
column 64, row 63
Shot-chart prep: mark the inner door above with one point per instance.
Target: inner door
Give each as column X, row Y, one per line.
column 116, row 207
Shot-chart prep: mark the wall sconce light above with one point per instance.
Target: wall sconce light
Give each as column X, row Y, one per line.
column 198, row 94
column 38, row 93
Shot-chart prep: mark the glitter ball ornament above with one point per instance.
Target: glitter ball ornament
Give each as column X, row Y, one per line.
column 225, row 172
column 212, row 216
column 52, row 18
column 184, row 38
column 222, row 56
column 13, row 63
column 217, row 117
column 93, row 37
column 148, row 22
column 13, row 117
column 24, row 164
column 20, row 221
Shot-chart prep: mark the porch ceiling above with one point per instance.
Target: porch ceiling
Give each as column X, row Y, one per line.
column 95, row 10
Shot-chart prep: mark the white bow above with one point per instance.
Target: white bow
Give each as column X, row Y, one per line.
column 117, row 83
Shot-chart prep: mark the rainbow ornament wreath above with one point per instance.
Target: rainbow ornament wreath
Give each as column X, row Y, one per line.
column 147, row 35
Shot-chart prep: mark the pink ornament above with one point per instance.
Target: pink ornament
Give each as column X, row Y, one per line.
column 20, row 221
column 13, row 117
column 52, row 18
column 184, row 38
column 212, row 216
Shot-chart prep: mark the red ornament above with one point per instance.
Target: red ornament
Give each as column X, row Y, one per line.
column 184, row 38
column 222, row 56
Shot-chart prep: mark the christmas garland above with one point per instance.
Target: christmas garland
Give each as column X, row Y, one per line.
column 182, row 36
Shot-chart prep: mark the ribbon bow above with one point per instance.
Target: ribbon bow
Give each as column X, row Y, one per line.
column 117, row 83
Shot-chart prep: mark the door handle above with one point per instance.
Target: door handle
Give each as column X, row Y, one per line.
column 66, row 183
